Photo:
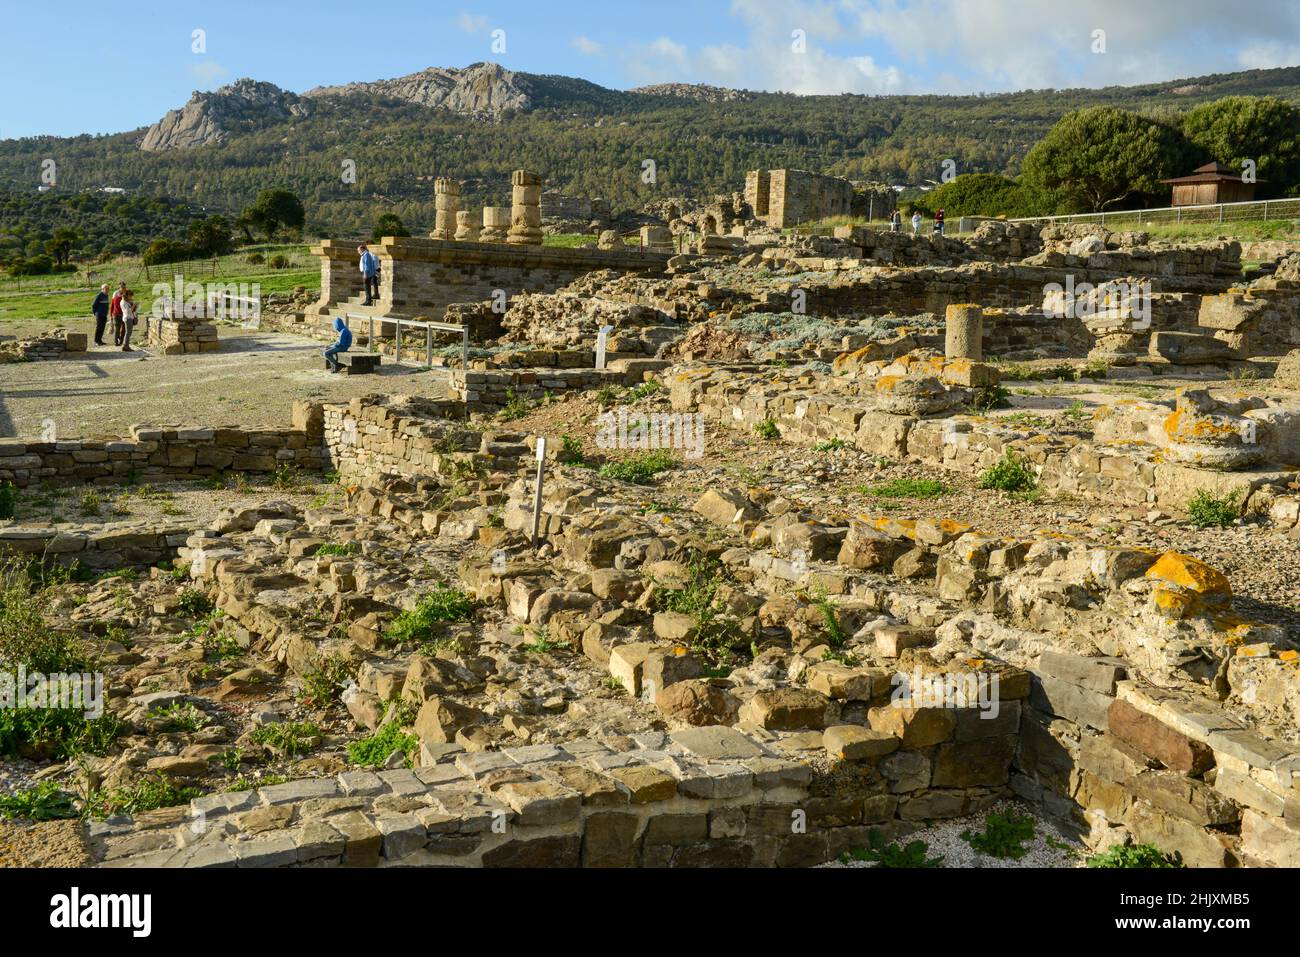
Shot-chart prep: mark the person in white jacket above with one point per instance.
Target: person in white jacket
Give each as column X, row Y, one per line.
column 129, row 313
column 916, row 223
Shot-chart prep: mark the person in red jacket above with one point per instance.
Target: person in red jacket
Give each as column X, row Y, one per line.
column 115, row 313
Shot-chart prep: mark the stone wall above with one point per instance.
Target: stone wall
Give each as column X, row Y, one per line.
column 798, row 196
column 156, row 455
column 421, row 277
column 130, row 545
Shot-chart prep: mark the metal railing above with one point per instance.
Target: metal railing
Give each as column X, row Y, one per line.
column 217, row 307
column 429, row 329
column 1213, row 213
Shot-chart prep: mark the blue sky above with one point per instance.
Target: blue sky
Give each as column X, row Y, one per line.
column 101, row 67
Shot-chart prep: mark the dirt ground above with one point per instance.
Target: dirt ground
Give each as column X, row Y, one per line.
column 251, row 381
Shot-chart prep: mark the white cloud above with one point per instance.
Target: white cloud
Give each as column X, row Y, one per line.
column 1267, row 54
column 471, row 23
column 586, row 46
column 884, row 46
column 208, row 72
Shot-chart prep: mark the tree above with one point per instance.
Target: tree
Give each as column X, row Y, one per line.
column 273, row 210
column 59, row 248
column 389, row 224
column 979, row 194
column 1262, row 129
column 210, row 237
column 1096, row 158
column 164, row 251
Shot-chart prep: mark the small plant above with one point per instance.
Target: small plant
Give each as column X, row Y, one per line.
column 424, row 621
column 216, row 481
column 8, row 498
column 231, row 758
column 831, row 627
column 832, row 445
column 989, row 397
column 324, row 685
column 767, row 429
column 290, row 738
column 516, row 406
column 1003, row 836
column 611, row 683
column 338, row 549
column 44, row 802
column 286, row 477
column 180, row 717
column 147, row 795
column 1207, row 511
column 644, row 390
column 91, row 503
column 571, row 451
column 605, row 396
column 888, row 854
column 639, row 469
column 1093, row 369
column 907, row 488
column 266, row 781
column 1076, row 414
column 195, row 603
column 1138, row 855
column 374, row 751
column 219, row 647
column 842, row 657
column 543, row 644
column 1009, row 474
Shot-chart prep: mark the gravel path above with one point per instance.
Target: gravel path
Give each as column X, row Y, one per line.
column 251, row 381
column 1048, row 847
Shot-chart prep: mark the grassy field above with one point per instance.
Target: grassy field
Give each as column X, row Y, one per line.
column 69, row 294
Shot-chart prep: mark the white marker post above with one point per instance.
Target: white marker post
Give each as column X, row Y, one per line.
column 537, row 492
column 602, row 338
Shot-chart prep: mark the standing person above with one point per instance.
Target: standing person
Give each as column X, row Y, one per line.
column 369, row 273
column 938, row 222
column 115, row 313
column 916, row 223
column 895, row 221
column 342, row 344
column 99, row 309
column 128, row 319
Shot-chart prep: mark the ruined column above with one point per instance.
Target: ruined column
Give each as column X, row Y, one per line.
column 446, row 200
column 526, row 213
column 964, row 332
column 657, row 239
column 466, row 229
column 496, row 223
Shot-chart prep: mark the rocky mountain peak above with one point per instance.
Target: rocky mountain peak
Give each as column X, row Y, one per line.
column 209, row 118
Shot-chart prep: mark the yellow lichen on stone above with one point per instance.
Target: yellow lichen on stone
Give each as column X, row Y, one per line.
column 1190, row 573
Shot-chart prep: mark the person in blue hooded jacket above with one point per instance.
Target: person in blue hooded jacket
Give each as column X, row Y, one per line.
column 342, row 344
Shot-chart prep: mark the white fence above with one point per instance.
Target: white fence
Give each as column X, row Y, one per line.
column 429, row 329
column 1216, row 213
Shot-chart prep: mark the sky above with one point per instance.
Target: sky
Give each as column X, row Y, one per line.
column 102, row 66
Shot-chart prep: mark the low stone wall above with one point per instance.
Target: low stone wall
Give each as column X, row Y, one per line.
column 1134, row 473
column 1174, row 770
column 156, row 455
column 129, row 545
column 704, row 797
column 52, row 345
column 490, row 390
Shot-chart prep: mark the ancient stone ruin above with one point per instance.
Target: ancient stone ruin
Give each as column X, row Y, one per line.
column 743, row 556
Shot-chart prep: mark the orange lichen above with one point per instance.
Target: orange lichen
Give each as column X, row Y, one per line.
column 1191, row 574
